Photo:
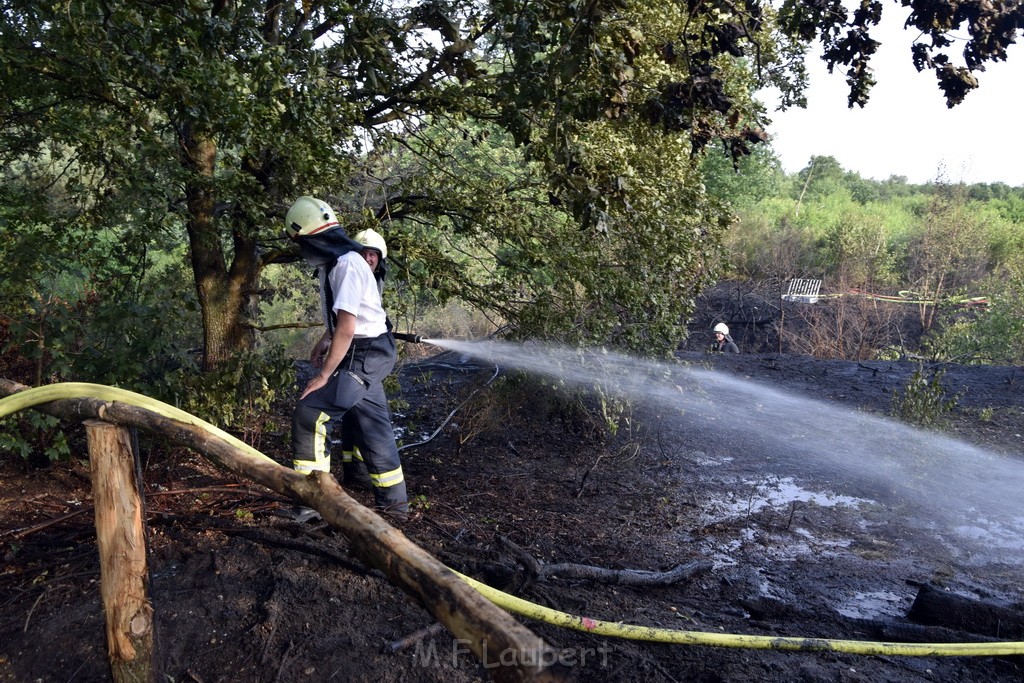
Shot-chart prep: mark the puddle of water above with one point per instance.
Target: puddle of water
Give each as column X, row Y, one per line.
column 775, row 493
column 874, row 604
column 993, row 534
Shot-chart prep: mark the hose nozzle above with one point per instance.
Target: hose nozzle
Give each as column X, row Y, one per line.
column 407, row 337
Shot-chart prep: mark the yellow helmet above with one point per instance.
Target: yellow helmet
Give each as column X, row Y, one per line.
column 372, row 239
column 309, row 216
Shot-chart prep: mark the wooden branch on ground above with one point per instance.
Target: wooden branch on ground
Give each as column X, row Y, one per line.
column 21, row 533
column 487, row 630
column 622, row 577
column 626, row 577
column 413, row 638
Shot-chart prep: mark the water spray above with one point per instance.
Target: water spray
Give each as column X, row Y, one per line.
column 907, row 463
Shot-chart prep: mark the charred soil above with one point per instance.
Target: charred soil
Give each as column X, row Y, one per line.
column 242, row 591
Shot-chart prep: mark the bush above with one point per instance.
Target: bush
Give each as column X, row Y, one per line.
column 991, row 335
column 846, row 327
column 238, row 395
column 924, row 401
column 19, row 432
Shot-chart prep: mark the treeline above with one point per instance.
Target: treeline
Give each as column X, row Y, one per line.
column 933, row 270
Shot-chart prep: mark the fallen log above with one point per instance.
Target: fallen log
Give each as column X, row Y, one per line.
column 936, row 607
column 487, row 630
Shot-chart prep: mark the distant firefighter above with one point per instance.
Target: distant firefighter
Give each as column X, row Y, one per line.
column 724, row 344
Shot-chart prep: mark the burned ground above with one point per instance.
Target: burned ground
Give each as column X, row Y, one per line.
column 243, row 592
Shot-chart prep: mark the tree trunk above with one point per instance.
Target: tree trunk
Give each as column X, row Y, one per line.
column 225, row 294
column 936, row 607
column 122, row 547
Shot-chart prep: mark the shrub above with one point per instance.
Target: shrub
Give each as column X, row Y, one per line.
column 454, row 321
column 846, row 327
column 991, row 335
column 19, row 432
column 924, row 401
column 240, row 394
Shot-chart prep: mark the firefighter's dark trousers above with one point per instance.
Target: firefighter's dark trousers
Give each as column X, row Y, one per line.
column 356, row 388
column 352, row 464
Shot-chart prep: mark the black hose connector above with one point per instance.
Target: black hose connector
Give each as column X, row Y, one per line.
column 407, row 337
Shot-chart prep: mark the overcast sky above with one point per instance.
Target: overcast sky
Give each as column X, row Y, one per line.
column 906, row 129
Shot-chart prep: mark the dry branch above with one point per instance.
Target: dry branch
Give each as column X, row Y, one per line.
column 626, row 577
column 21, row 533
column 622, row 577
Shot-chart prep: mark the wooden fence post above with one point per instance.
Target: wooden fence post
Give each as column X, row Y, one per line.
column 122, row 546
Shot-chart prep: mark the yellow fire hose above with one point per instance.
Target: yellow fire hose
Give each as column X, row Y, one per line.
column 53, row 392
column 664, row 635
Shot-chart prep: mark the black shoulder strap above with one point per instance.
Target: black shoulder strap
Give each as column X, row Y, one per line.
column 327, row 295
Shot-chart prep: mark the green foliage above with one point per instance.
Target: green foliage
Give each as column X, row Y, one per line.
column 240, row 394
column 832, row 237
column 924, row 402
column 822, row 177
column 847, row 41
column 453, row 321
column 33, row 433
column 860, row 251
column 393, row 388
column 756, row 177
column 290, row 299
column 594, row 412
column 615, row 411
column 925, row 243
column 96, row 339
column 990, row 335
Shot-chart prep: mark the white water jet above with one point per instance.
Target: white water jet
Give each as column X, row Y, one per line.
column 952, row 480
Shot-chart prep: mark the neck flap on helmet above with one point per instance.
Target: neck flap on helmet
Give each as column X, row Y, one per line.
column 326, row 247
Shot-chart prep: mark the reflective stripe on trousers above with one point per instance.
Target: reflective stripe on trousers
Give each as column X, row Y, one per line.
column 321, row 461
column 351, row 455
column 385, row 479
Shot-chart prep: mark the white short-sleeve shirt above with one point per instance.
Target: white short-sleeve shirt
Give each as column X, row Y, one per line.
column 355, row 292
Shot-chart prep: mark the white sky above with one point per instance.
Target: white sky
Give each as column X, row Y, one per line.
column 905, row 128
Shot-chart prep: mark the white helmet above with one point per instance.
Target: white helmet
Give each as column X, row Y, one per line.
column 372, row 239
column 722, row 327
column 309, row 216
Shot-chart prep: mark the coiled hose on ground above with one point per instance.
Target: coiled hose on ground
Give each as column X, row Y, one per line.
column 77, row 390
